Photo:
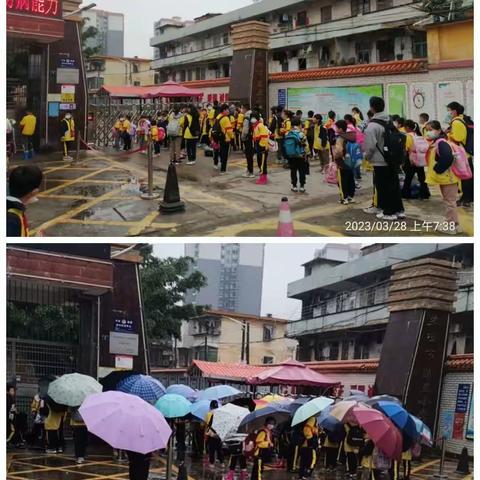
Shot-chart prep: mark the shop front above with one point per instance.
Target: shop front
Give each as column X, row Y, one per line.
column 45, row 71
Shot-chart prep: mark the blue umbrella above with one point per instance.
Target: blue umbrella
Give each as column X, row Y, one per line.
column 423, row 431
column 332, row 425
column 358, row 397
column 217, row 392
column 311, row 409
column 399, row 416
column 183, row 390
column 173, row 406
column 143, row 386
column 256, row 419
column 200, row 409
column 297, row 403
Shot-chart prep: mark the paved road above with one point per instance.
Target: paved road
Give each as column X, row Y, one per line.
column 30, row 465
column 94, row 197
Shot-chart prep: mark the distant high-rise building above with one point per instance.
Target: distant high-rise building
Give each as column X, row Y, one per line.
column 110, row 37
column 234, row 274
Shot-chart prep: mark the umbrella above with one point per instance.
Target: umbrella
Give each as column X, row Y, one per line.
column 111, row 381
column 358, row 397
column 385, row 398
column 310, row 409
column 200, row 409
column 380, row 429
column 227, row 418
column 333, row 426
column 184, row 390
column 125, row 421
column 341, row 409
column 399, row 416
column 256, row 419
column 259, row 404
column 246, row 402
column 272, row 397
column 143, row 386
column 173, row 406
column 423, row 431
column 72, row 388
column 217, row 392
column 43, row 383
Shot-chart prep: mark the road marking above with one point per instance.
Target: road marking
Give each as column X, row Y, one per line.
column 424, row 466
column 145, row 223
column 76, row 180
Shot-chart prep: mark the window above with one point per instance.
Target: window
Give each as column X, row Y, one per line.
column 345, row 349
column 285, row 65
column 302, row 20
column 363, row 52
column 268, row 333
column 334, row 350
column 226, row 70
column 225, row 38
column 285, row 20
column 326, row 14
column 419, row 45
column 136, row 84
column 384, row 4
column 386, row 50
column 216, row 40
column 267, row 360
column 360, row 7
column 200, row 73
column 183, row 77
column 302, row 63
column 135, row 67
column 190, row 75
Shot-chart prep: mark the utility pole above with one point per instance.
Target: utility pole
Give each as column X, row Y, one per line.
column 243, row 342
column 248, row 344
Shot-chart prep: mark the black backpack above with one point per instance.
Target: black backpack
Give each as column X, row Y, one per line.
column 323, row 136
column 355, row 437
column 332, row 136
column 217, row 132
column 468, row 122
column 194, row 127
column 297, row 437
column 394, row 144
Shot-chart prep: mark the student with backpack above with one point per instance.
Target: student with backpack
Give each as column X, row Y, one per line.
column 174, row 134
column 285, row 127
column 417, row 147
column 385, row 150
column 354, row 441
column 295, row 147
column 222, row 134
column 190, row 125
column 23, row 187
column 274, row 126
column 331, row 446
column 440, row 171
column 260, row 135
column 263, row 447
column 213, row 444
column 308, row 451
column 321, row 145
column 347, row 155
column 460, row 131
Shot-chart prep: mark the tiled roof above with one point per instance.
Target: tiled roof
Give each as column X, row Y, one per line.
column 364, row 70
column 369, row 365
column 217, row 82
column 223, row 370
column 460, row 363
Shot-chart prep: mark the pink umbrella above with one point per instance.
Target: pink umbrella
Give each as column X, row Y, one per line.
column 292, row 372
column 173, row 89
column 125, row 421
column 380, row 429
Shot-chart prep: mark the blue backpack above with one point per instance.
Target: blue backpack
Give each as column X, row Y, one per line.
column 353, row 155
column 292, row 145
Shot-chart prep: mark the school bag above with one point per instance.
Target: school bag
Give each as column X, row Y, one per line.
column 272, row 145
column 323, row 135
column 468, row 122
column 161, row 134
column 418, row 155
column 194, row 127
column 353, row 155
column 249, row 444
column 460, row 166
column 297, row 437
column 331, row 173
column 292, row 145
column 394, row 144
column 217, row 132
column 332, row 136
column 355, row 437
column 173, row 127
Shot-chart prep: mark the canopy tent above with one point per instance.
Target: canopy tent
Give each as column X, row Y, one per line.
column 165, row 90
column 292, row 373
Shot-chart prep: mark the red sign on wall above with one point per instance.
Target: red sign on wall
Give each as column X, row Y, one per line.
column 42, row 8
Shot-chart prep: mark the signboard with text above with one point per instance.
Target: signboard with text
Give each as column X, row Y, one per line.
column 123, row 343
column 38, row 8
column 461, row 408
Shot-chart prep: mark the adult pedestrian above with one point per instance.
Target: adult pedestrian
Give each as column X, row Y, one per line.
column 67, row 135
column 174, row 134
column 138, row 465
column 28, row 125
column 80, row 436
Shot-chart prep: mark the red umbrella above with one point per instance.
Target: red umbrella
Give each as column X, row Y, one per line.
column 173, row 89
column 292, row 372
column 380, row 429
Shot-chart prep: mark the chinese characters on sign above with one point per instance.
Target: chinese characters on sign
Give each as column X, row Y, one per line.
column 47, row 8
column 461, row 407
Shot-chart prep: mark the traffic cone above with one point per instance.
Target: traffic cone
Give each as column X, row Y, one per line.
column 285, row 222
column 462, row 466
column 262, row 179
column 171, row 198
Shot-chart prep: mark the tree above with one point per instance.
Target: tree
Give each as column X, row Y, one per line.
column 164, row 285
column 87, row 33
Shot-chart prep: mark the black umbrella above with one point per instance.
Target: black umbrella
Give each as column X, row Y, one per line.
column 111, row 381
column 43, row 383
column 56, row 407
column 246, row 402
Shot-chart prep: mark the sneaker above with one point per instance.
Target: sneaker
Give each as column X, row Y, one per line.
column 50, row 451
column 302, row 190
column 80, row 460
column 357, row 186
column 59, row 450
column 344, row 201
column 382, row 216
column 372, row 210
column 294, row 189
column 216, row 167
column 191, row 162
column 223, row 173
column 400, row 214
column 251, row 175
column 351, row 200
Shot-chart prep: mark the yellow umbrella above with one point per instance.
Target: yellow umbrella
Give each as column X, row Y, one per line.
column 272, row 397
column 341, row 409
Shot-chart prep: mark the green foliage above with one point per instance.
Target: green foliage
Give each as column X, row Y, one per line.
column 164, row 284
column 87, row 33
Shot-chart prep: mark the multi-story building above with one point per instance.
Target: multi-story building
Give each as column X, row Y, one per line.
column 234, row 275
column 382, row 47
column 345, row 306
column 118, row 71
column 220, row 336
column 109, row 39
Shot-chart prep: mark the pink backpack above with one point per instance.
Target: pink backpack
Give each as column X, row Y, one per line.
column 460, row 166
column 331, row 173
column 418, row 156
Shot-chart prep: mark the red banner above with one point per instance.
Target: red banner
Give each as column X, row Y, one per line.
column 458, row 424
column 41, row 8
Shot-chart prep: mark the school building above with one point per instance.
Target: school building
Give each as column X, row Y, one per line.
column 326, row 54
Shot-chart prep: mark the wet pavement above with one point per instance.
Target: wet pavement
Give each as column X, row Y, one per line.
column 22, row 465
column 96, row 197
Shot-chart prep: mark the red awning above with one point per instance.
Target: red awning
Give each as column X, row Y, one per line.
column 227, row 371
column 292, row 373
column 126, row 91
column 172, row 89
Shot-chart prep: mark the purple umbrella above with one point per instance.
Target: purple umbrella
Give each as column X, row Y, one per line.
column 125, row 421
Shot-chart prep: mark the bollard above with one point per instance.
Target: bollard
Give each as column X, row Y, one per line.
column 149, row 195
column 462, row 466
column 440, row 474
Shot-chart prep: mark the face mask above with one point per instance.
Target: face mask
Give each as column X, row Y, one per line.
column 395, row 124
column 448, row 117
column 431, row 135
column 68, row 117
column 270, row 426
column 254, row 121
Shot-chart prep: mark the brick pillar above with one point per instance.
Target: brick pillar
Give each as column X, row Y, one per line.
column 249, row 75
column 421, row 298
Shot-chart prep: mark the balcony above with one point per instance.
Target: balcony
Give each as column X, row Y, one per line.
column 207, row 55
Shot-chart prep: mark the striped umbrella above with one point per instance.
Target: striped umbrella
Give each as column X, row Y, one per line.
column 143, row 386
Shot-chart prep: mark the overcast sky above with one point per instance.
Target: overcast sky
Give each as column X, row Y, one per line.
column 141, row 14
column 282, row 265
